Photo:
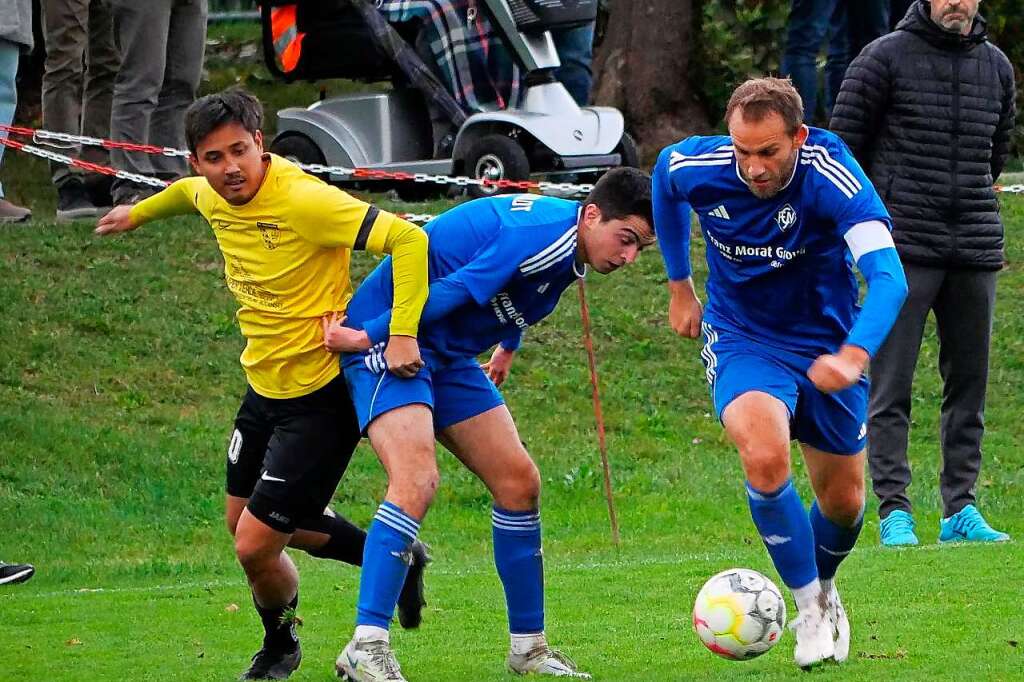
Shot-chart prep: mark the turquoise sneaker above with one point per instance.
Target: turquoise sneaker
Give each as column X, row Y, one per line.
column 897, row 529
column 968, row 525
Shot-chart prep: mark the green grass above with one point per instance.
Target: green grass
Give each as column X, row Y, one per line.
column 119, row 380
column 117, row 389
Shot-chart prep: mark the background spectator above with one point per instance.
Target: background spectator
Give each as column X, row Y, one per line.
column 847, row 25
column 15, row 38
column 77, row 29
column 928, row 111
column 575, row 47
column 161, row 44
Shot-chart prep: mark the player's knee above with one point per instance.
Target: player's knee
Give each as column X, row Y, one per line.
column 253, row 555
column 843, row 506
column 519, row 488
column 767, row 468
column 415, row 487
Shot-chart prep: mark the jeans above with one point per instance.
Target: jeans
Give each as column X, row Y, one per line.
column 9, row 53
column 810, row 23
column 575, row 47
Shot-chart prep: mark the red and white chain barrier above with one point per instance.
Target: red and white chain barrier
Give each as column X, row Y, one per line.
column 66, row 140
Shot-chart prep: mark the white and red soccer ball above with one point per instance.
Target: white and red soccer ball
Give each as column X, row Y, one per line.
column 739, row 614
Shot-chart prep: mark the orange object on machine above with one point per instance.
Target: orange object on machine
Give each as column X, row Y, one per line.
column 286, row 36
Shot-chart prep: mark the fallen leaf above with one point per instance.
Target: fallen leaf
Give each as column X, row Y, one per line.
column 231, row 608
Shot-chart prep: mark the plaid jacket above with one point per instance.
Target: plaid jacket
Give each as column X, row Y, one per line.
column 471, row 59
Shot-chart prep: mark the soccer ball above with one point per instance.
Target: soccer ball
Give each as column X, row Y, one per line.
column 739, row 614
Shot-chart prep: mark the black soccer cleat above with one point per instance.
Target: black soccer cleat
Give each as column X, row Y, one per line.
column 273, row 665
column 411, row 600
column 15, row 573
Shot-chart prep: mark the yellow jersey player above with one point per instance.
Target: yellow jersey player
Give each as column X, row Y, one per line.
column 286, row 238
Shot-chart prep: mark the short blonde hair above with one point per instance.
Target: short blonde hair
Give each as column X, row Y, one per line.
column 759, row 97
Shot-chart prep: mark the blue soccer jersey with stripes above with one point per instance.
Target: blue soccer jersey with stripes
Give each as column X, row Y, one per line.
column 780, row 269
column 506, row 259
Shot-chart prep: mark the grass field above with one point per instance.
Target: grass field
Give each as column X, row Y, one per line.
column 117, row 388
column 119, row 380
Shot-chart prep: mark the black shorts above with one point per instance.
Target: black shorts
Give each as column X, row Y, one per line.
column 288, row 455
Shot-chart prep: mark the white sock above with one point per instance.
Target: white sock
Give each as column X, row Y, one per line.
column 807, row 596
column 524, row 644
column 827, row 585
column 371, row 633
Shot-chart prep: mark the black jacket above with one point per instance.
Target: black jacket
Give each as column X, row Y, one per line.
column 928, row 114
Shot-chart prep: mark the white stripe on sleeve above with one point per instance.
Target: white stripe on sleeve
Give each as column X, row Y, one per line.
column 866, row 237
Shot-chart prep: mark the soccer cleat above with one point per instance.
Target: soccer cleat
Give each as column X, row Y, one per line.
column 813, row 630
column 897, row 529
column 543, row 660
column 15, row 573
column 840, row 624
column 411, row 600
column 968, row 525
column 368, row 661
column 273, row 665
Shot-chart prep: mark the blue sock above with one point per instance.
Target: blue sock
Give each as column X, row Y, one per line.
column 782, row 521
column 517, row 554
column 832, row 542
column 384, row 568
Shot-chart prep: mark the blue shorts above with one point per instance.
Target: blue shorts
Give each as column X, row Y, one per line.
column 830, row 422
column 454, row 390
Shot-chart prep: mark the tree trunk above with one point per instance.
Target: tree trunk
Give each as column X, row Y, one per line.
column 642, row 69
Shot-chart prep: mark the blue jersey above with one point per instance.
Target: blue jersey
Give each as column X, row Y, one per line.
column 780, row 270
column 496, row 266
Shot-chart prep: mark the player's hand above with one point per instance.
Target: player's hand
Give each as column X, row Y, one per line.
column 339, row 339
column 403, row 356
column 831, row 373
column 684, row 309
column 117, row 219
column 500, row 364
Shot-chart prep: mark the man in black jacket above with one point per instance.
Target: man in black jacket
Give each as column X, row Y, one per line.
column 928, row 111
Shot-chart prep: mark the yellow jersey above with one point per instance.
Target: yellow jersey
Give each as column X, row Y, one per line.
column 286, row 260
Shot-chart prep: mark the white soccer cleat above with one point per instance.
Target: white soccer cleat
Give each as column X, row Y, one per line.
column 543, row 660
column 813, row 630
column 368, row 661
column 840, row 624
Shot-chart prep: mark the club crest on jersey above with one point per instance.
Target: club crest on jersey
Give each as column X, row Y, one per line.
column 271, row 234
column 785, row 218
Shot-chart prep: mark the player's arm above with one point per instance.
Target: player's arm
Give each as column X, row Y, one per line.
column 672, row 226
column 176, row 199
column 486, row 273
column 329, row 217
column 500, row 364
column 876, row 257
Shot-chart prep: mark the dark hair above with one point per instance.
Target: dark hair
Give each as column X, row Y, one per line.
column 208, row 113
column 758, row 97
column 623, row 192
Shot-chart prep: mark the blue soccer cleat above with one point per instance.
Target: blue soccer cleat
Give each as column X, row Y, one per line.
column 968, row 525
column 897, row 529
